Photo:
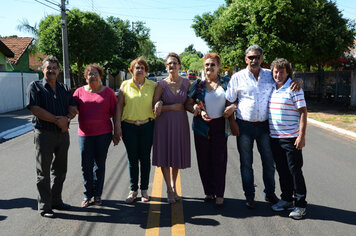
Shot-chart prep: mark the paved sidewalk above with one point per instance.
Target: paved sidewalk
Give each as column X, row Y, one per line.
column 14, row 119
column 15, row 123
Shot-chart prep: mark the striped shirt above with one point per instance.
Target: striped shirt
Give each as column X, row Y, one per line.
column 40, row 93
column 283, row 111
column 252, row 95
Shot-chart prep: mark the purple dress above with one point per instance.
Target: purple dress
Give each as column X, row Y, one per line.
column 171, row 137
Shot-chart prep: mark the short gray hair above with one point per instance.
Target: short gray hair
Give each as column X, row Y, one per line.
column 51, row 59
column 254, row 47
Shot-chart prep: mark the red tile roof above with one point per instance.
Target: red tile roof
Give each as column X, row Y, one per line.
column 18, row 45
column 35, row 61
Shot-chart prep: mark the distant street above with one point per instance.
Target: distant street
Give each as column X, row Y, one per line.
column 329, row 169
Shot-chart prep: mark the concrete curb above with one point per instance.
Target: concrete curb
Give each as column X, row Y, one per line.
column 17, row 131
column 333, row 128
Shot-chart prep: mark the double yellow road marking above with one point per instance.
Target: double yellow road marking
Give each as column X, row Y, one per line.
column 154, row 213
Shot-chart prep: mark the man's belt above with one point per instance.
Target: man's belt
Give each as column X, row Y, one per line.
column 254, row 122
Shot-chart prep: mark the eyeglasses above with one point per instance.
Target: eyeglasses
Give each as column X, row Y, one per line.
column 93, row 74
column 172, row 63
column 210, row 64
column 140, row 67
column 254, row 57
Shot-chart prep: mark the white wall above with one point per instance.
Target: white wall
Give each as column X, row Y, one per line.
column 13, row 90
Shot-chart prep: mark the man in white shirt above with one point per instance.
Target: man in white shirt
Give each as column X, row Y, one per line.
column 251, row 88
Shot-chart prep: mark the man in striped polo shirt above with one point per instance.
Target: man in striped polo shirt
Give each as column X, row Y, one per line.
column 288, row 122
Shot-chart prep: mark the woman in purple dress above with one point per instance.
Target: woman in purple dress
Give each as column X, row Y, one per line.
column 171, row 139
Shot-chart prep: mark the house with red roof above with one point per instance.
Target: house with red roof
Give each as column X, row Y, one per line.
column 5, row 54
column 19, row 46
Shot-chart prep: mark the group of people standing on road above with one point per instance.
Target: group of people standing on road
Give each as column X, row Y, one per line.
column 256, row 104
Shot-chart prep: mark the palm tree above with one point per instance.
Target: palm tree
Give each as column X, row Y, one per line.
column 25, row 26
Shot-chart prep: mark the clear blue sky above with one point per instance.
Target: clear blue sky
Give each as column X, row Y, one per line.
column 169, row 21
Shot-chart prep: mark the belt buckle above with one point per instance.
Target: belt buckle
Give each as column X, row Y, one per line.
column 137, row 122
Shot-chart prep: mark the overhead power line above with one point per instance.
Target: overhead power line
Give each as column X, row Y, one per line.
column 47, row 5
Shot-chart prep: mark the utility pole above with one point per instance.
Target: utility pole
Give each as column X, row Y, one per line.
column 65, row 44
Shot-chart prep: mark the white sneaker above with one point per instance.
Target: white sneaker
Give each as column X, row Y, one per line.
column 132, row 196
column 298, row 213
column 282, row 205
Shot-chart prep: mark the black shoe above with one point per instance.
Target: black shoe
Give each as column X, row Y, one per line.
column 250, row 203
column 47, row 214
column 61, row 207
column 272, row 199
column 209, row 198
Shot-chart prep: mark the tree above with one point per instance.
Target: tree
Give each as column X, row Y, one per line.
column 303, row 31
column 26, row 27
column 90, row 39
column 127, row 47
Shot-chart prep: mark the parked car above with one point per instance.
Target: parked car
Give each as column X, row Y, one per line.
column 183, row 73
column 192, row 76
column 152, row 77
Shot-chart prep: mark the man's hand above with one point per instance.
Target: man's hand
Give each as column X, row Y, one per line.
column 62, row 122
column 300, row 142
column 296, row 85
column 229, row 110
column 235, row 129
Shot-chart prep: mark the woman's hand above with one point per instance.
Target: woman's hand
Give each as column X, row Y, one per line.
column 205, row 116
column 196, row 110
column 158, row 108
column 117, row 135
column 229, row 110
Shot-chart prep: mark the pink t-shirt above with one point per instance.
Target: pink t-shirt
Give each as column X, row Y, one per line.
column 95, row 111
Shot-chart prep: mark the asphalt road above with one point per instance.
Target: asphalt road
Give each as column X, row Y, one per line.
column 329, row 168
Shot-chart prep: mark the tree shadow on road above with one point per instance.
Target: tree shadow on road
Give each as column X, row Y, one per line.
column 235, row 208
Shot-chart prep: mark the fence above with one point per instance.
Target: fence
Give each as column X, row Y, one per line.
column 330, row 86
column 13, row 90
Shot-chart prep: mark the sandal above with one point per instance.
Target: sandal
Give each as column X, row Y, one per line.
column 97, row 201
column 144, row 196
column 85, row 202
column 170, row 197
column 132, row 196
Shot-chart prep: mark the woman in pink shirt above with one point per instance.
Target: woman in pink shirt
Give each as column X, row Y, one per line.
column 97, row 114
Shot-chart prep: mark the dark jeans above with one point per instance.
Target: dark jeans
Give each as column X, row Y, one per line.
column 93, row 150
column 138, row 142
column 289, row 162
column 212, row 158
column 51, row 158
column 249, row 132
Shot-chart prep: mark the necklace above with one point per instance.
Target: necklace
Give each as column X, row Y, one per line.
column 215, row 86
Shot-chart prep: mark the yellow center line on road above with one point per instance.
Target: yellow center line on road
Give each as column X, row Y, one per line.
column 154, row 212
column 178, row 225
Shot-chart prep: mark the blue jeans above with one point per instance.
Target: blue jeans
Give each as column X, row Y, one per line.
column 249, row 132
column 93, row 150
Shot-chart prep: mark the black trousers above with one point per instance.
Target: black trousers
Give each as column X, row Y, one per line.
column 51, row 159
column 212, row 158
column 289, row 162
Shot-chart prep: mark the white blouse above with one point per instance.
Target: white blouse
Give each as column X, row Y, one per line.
column 215, row 102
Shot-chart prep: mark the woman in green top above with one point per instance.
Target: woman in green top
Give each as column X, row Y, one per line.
column 137, row 122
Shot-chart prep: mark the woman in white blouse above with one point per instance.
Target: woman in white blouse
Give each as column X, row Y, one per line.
column 207, row 102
